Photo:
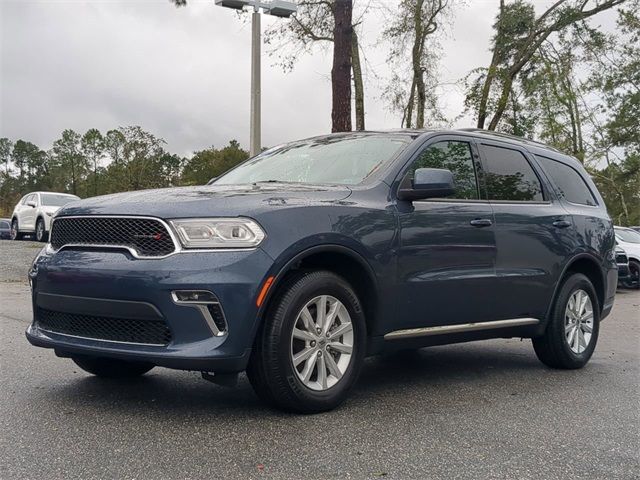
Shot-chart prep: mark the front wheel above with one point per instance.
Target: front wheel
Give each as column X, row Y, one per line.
column 572, row 331
column 311, row 347
column 112, row 368
column 634, row 275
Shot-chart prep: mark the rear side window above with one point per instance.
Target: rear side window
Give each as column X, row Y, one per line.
column 569, row 182
column 456, row 157
column 509, row 176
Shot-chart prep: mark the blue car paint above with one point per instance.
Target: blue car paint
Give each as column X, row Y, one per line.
column 420, row 258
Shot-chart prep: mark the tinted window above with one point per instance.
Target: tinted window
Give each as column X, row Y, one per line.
column 456, row 157
column 569, row 182
column 4, row 225
column 509, row 176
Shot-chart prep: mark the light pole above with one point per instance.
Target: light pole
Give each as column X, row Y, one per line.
column 278, row 8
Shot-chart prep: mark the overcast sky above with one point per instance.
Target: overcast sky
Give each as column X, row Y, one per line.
column 183, row 74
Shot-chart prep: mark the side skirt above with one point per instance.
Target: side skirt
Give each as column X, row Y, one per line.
column 462, row 328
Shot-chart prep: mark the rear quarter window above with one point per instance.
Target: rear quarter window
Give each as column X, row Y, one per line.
column 568, row 182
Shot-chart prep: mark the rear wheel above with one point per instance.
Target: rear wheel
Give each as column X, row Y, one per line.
column 572, row 331
column 311, row 347
column 15, row 231
column 41, row 233
column 112, row 368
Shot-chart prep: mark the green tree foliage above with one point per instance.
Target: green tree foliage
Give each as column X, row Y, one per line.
column 127, row 158
column 210, row 163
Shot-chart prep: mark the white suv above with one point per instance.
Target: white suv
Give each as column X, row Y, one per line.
column 33, row 213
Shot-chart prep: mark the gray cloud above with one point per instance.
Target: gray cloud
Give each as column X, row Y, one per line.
column 183, row 74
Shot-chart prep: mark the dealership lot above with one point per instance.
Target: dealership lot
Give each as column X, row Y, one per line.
column 480, row 410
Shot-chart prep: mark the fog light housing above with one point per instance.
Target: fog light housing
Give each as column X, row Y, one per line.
column 208, row 305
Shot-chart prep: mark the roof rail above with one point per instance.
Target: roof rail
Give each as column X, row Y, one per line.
column 493, row 133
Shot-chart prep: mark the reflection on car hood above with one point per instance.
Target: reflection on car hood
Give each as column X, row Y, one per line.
column 208, row 201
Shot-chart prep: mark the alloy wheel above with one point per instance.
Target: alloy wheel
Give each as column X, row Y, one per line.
column 322, row 342
column 578, row 321
column 40, row 231
column 14, row 230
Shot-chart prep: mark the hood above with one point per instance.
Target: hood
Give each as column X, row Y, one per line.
column 631, row 249
column 208, row 201
column 49, row 209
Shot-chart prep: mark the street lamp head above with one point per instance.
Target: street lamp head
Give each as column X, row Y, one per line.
column 237, row 4
column 281, row 8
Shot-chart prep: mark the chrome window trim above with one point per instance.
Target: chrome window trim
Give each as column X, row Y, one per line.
column 461, row 328
column 178, row 248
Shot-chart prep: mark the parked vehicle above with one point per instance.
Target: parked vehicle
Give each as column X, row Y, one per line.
column 32, row 214
column 629, row 241
column 302, row 260
column 623, row 267
column 636, row 228
column 5, row 228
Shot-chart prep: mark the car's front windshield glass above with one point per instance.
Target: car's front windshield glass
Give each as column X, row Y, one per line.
column 342, row 160
column 4, row 225
column 628, row 236
column 53, row 200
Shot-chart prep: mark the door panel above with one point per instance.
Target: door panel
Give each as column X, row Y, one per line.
column 447, row 252
column 534, row 232
column 28, row 214
column 446, row 265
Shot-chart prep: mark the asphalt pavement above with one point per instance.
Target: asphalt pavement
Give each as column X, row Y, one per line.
column 478, row 410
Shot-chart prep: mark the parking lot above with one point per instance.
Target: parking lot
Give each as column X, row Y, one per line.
column 478, row 410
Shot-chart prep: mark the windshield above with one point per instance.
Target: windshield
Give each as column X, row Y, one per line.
column 4, row 225
column 628, row 236
column 342, row 160
column 53, row 200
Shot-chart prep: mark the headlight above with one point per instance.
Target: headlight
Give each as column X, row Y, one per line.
column 218, row 232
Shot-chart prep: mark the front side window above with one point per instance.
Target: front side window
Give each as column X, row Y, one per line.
column 569, row 182
column 454, row 156
column 4, row 225
column 340, row 160
column 509, row 176
column 53, row 200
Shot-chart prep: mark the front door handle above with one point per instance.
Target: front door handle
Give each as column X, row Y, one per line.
column 481, row 222
column 561, row 224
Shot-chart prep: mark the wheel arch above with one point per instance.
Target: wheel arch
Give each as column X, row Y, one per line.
column 589, row 266
column 341, row 260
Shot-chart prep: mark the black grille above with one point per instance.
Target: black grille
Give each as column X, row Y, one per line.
column 621, row 258
column 148, row 237
column 155, row 332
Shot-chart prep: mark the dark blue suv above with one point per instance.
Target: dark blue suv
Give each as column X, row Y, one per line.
column 301, row 261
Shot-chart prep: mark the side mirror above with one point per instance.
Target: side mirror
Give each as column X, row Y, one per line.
column 427, row 183
column 212, row 180
column 31, row 203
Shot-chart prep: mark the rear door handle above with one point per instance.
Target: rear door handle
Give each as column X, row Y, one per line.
column 481, row 222
column 561, row 224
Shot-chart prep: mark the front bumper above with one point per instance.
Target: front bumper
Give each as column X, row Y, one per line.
column 114, row 284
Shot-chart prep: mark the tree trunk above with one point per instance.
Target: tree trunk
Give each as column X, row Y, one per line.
column 341, row 71
column 358, row 84
column 488, row 81
column 502, row 103
column 409, row 109
column 418, row 74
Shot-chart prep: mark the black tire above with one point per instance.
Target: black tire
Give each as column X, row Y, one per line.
column 15, row 231
column 634, row 275
column 552, row 348
column 112, row 368
column 41, row 233
column 271, row 371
